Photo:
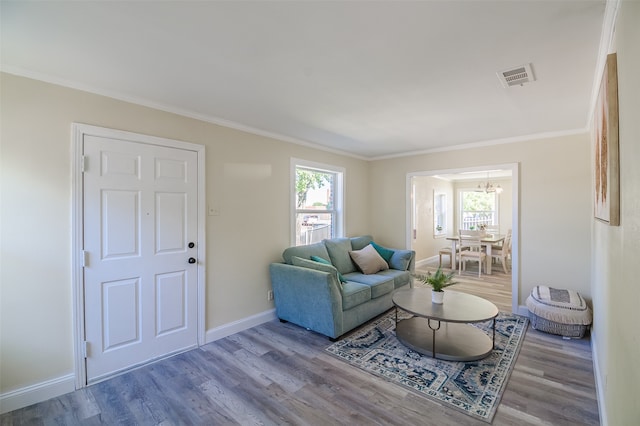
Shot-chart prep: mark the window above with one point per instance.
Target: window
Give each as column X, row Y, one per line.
column 478, row 209
column 317, row 195
column 439, row 214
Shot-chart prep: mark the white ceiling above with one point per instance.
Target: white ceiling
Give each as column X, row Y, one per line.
column 371, row 79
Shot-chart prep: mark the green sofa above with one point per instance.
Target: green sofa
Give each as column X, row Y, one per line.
column 321, row 288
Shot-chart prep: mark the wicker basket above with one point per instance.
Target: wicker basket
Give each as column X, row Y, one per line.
column 552, row 327
column 558, row 311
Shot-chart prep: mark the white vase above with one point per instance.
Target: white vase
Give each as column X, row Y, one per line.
column 437, row 296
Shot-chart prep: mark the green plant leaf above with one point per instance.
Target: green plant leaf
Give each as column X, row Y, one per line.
column 438, row 280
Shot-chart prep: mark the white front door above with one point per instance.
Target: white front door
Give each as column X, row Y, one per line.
column 140, row 235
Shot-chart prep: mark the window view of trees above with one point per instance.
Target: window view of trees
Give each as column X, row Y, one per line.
column 315, row 211
column 478, row 208
column 307, row 180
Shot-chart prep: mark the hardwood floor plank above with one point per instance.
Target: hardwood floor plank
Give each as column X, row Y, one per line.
column 232, row 402
column 510, row 416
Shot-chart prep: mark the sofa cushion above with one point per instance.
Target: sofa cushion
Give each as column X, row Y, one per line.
column 326, row 262
column 383, row 251
column 401, row 259
column 380, row 284
column 354, row 294
column 338, row 249
column 305, row 252
column 358, row 243
column 400, row 278
column 368, row 260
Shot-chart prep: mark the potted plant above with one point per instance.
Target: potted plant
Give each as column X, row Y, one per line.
column 438, row 282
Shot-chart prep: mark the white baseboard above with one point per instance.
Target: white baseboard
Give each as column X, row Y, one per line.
column 600, row 380
column 33, row 394
column 426, row 261
column 523, row 311
column 240, row 325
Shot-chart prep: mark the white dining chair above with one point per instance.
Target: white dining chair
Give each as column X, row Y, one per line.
column 473, row 233
column 445, row 251
column 499, row 245
column 453, row 259
column 470, row 232
column 502, row 252
column 474, row 253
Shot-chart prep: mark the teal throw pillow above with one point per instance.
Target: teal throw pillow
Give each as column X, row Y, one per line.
column 326, row 262
column 384, row 252
column 320, row 259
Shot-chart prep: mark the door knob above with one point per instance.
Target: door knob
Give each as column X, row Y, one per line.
column 192, row 245
column 192, row 260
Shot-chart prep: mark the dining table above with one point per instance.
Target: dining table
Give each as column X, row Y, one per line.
column 487, row 241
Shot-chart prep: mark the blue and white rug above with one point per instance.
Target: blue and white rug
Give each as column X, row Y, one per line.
column 474, row 387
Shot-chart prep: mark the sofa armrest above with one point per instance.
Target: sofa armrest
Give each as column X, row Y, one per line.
column 308, row 298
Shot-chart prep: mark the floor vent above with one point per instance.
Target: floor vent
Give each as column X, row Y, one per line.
column 516, row 76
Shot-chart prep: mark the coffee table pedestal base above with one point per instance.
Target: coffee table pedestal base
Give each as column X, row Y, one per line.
column 453, row 341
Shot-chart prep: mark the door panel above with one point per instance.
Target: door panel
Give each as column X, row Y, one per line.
column 121, row 313
column 170, row 222
column 120, row 224
column 140, row 213
column 171, row 302
column 168, row 169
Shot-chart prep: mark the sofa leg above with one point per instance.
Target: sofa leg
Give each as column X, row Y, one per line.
column 283, row 321
column 333, row 339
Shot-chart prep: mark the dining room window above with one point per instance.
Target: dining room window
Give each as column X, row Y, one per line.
column 478, row 209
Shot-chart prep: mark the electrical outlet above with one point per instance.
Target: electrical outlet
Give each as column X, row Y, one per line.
column 270, row 295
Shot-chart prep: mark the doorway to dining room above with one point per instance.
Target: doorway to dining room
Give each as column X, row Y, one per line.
column 440, row 202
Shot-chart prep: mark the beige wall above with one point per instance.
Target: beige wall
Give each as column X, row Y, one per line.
column 555, row 204
column 425, row 243
column 616, row 249
column 36, row 287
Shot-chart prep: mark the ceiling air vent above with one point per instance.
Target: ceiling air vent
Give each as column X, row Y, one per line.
column 516, row 76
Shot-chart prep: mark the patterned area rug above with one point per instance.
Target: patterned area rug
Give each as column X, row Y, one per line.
column 474, row 387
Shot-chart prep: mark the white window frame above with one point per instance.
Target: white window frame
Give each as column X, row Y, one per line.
column 496, row 216
column 338, row 196
column 440, row 210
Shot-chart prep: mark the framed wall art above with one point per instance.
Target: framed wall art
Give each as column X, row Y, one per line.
column 606, row 147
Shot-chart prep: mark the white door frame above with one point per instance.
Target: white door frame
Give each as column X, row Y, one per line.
column 515, row 212
column 78, row 131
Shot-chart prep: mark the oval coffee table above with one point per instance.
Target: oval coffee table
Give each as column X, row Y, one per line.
column 443, row 331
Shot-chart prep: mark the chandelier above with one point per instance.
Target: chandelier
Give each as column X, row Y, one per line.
column 489, row 187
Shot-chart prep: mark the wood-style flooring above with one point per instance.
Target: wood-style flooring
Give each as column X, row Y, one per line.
column 279, row 374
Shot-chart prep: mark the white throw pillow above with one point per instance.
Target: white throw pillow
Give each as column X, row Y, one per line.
column 368, row 260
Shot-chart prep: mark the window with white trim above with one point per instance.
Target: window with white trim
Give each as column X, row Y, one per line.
column 317, row 198
column 478, row 209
